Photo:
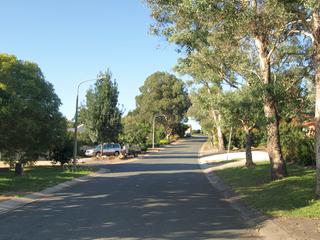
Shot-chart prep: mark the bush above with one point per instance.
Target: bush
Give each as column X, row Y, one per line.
column 239, row 138
column 63, row 152
column 164, row 142
column 197, row 131
column 296, row 146
column 180, row 129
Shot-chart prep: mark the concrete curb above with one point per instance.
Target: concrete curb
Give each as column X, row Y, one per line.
column 265, row 226
column 9, row 205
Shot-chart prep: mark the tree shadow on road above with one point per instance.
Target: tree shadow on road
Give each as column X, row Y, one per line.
column 159, row 204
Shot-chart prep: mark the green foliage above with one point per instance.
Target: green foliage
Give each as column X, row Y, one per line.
column 180, row 129
column 62, row 152
column 135, row 129
column 247, row 43
column 164, row 142
column 242, row 107
column 101, row 115
column 30, row 121
column 238, row 140
column 296, row 145
column 200, row 110
column 163, row 94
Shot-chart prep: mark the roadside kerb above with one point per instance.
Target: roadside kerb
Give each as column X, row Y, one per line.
column 9, row 205
column 264, row 225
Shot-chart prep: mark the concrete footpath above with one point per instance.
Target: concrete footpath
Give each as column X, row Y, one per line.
column 269, row 228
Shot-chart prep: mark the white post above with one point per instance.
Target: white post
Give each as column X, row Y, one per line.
column 154, row 118
column 229, row 143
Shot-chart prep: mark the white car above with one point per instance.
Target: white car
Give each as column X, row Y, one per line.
column 89, row 152
column 108, row 149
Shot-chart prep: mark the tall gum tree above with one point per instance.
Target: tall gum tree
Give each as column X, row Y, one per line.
column 187, row 22
column 243, row 109
column 163, row 94
column 262, row 42
column 307, row 23
column 210, row 66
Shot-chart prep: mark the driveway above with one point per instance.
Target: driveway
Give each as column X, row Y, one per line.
column 163, row 196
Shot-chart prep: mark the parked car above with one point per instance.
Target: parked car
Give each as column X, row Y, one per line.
column 187, row 135
column 90, row 152
column 84, row 149
column 107, row 149
column 131, row 149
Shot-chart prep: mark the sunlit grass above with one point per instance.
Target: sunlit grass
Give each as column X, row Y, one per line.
column 36, row 179
column 292, row 196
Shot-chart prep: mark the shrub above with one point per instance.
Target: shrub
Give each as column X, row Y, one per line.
column 296, row 146
column 164, row 141
column 63, row 152
column 238, row 139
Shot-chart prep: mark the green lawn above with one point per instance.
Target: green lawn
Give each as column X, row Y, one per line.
column 292, row 196
column 35, row 179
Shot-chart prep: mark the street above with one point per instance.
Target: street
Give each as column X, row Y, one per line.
column 163, row 196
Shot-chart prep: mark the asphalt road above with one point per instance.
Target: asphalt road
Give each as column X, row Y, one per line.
column 163, row 196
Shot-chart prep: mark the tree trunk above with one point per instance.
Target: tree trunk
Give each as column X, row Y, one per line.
column 249, row 162
column 18, row 169
column 316, row 35
column 278, row 166
column 168, row 134
column 217, row 119
column 213, row 137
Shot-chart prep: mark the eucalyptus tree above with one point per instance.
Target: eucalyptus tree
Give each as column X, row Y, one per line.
column 201, row 110
column 163, row 94
column 307, row 24
column 261, row 24
column 243, row 108
column 210, row 70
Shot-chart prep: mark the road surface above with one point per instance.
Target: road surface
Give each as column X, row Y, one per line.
column 163, row 196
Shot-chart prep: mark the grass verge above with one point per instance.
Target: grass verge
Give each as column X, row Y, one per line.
column 36, row 179
column 289, row 197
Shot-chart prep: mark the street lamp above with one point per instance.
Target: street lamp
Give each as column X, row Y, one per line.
column 75, row 148
column 153, row 123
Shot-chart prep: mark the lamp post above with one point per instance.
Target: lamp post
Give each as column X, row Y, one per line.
column 229, row 143
column 75, row 147
column 153, row 123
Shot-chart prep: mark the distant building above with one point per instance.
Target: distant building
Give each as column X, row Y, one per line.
column 310, row 128
column 81, row 129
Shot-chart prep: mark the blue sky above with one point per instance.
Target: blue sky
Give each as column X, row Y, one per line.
column 72, row 40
